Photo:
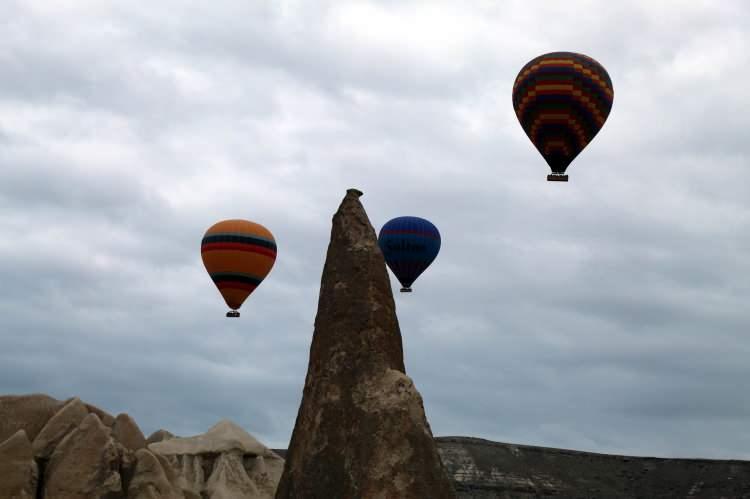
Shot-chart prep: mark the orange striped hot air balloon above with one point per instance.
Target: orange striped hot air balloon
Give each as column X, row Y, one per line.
column 238, row 255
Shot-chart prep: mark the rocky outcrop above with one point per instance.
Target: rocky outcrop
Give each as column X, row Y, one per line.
column 483, row 469
column 229, row 478
column 75, row 455
column 18, row 470
column 224, row 462
column 84, row 464
column 265, row 472
column 224, row 436
column 126, row 431
column 158, row 436
column 105, row 417
column 361, row 430
column 58, row 426
column 26, row 412
column 154, row 478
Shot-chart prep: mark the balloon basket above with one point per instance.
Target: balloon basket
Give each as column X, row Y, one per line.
column 406, row 290
column 556, row 177
column 233, row 313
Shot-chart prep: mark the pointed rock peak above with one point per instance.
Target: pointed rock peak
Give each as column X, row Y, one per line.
column 351, row 227
column 85, row 463
column 226, row 426
column 222, row 437
column 105, row 417
column 92, row 421
column 356, row 310
column 17, row 443
column 126, row 431
column 63, row 422
column 158, row 436
column 361, row 429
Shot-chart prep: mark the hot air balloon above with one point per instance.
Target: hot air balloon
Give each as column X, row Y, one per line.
column 409, row 245
column 238, row 255
column 562, row 99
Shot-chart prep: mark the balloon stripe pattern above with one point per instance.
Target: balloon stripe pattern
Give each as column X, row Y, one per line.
column 562, row 100
column 238, row 255
column 409, row 245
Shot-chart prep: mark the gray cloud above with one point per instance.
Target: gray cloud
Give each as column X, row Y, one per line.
column 608, row 314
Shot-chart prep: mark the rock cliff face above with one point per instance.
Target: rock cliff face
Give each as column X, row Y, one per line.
column 72, row 450
column 482, row 469
column 361, row 430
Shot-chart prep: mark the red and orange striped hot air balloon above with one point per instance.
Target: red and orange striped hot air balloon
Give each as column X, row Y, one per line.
column 238, row 255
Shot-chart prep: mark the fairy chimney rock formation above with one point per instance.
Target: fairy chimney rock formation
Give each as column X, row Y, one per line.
column 361, row 430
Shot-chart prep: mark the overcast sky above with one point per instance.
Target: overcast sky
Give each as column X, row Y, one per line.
column 608, row 314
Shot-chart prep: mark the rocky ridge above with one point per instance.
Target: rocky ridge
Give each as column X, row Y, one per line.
column 72, row 450
column 482, row 469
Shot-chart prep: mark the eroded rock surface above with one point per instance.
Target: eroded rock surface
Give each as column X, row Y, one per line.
column 158, row 436
column 84, row 464
column 18, row 470
column 154, row 478
column 229, row 478
column 483, row 469
column 26, row 412
column 361, row 430
column 224, row 436
column 225, row 462
column 75, row 455
column 59, row 425
column 126, row 431
column 106, row 418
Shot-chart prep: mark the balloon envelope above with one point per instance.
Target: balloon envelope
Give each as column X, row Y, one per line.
column 562, row 99
column 409, row 245
column 238, row 255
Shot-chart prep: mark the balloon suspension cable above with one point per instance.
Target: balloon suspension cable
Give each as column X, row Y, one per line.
column 233, row 313
column 406, row 289
column 557, row 177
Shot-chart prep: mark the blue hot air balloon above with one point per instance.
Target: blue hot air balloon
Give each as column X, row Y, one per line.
column 409, row 245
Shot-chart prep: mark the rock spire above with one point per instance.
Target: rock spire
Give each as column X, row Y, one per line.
column 361, row 430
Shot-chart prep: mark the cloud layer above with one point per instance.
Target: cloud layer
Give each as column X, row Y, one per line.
column 607, row 314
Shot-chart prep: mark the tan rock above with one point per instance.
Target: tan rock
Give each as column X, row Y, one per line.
column 18, row 470
column 191, row 469
column 63, row 422
column 265, row 472
column 154, row 478
column 84, row 464
column 224, row 436
column 105, row 417
column 361, row 430
column 26, row 412
column 126, row 431
column 158, row 436
column 229, row 479
column 226, row 461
